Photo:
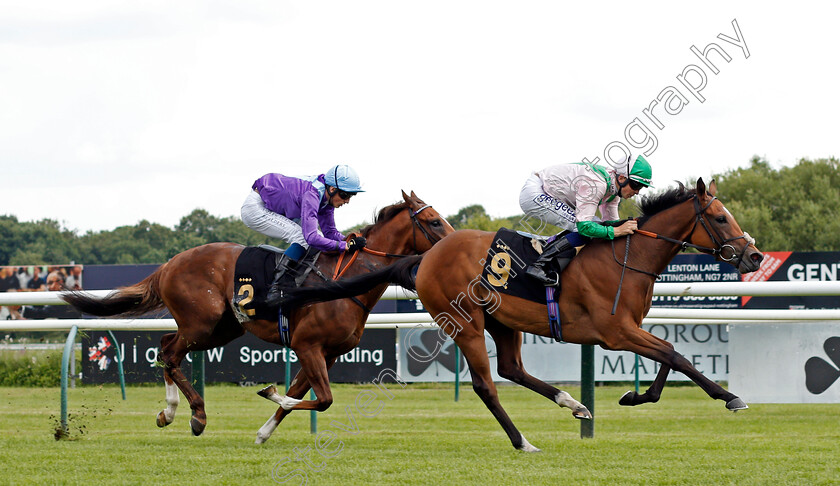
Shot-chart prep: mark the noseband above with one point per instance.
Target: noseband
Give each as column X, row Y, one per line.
column 717, row 238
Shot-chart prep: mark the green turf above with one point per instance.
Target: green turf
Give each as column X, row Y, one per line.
column 419, row 437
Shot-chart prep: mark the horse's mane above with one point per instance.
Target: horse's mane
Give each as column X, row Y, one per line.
column 385, row 214
column 651, row 205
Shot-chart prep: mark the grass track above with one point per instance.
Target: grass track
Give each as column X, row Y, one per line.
column 419, row 437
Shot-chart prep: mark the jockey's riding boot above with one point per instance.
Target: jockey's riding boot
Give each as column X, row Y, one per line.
column 541, row 269
column 287, row 262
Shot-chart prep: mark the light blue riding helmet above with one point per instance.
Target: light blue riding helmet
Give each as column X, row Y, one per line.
column 343, row 178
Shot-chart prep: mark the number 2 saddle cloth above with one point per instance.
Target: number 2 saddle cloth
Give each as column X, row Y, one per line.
column 253, row 275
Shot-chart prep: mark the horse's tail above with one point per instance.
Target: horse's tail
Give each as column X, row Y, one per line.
column 401, row 273
column 135, row 300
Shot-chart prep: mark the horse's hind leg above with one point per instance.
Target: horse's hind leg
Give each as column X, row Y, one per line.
column 172, row 353
column 171, row 357
column 469, row 336
column 509, row 361
column 167, row 415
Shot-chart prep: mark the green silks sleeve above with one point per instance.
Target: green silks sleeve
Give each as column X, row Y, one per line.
column 591, row 229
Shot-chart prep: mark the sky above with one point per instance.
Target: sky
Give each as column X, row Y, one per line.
column 112, row 112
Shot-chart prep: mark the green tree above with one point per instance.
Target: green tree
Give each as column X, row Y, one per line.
column 209, row 229
column 791, row 209
column 36, row 242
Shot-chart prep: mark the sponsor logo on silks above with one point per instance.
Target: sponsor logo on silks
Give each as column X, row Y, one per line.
column 819, row 373
column 97, row 354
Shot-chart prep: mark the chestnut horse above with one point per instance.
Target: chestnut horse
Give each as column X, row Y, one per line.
column 196, row 286
column 450, row 272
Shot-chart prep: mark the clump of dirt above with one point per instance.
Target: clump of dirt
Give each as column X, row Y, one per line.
column 77, row 423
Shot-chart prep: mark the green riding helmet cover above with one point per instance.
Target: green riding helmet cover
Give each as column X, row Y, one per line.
column 641, row 171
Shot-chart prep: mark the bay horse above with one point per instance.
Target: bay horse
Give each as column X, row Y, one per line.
column 197, row 287
column 448, row 281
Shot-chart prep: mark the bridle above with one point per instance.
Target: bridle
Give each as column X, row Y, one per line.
column 721, row 243
column 718, row 240
column 415, row 225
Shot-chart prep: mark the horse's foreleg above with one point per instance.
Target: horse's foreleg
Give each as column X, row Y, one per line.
column 167, row 415
column 646, row 344
column 631, row 398
column 293, row 398
column 297, row 389
column 314, row 367
column 509, row 361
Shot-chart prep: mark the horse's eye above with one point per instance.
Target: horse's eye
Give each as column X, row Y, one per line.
column 721, row 219
column 436, row 223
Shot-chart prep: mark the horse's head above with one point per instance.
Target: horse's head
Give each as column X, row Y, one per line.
column 409, row 226
column 722, row 233
column 428, row 226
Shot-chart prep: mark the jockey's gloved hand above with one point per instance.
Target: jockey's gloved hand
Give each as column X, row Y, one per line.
column 356, row 243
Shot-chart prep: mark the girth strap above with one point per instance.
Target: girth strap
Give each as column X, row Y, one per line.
column 553, row 314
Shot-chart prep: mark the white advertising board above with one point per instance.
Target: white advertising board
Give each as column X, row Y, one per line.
column 785, row 362
column 425, row 357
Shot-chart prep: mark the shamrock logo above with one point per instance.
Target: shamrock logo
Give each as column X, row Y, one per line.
column 430, row 341
column 819, row 373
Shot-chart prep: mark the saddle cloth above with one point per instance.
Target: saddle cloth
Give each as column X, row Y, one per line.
column 504, row 267
column 253, row 275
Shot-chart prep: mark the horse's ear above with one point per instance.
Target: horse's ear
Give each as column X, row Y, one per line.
column 701, row 188
column 414, row 196
column 405, row 197
column 713, row 187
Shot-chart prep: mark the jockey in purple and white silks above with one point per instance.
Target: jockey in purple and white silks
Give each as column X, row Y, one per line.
column 568, row 196
column 300, row 211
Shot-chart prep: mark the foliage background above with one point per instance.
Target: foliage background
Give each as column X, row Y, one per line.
column 790, row 209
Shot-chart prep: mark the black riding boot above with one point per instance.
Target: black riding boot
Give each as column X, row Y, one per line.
column 275, row 292
column 559, row 251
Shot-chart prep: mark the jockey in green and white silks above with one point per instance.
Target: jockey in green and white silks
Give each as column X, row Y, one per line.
column 569, row 196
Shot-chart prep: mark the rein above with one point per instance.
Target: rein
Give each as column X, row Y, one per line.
column 339, row 272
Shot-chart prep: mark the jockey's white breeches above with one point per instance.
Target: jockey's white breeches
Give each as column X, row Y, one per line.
column 262, row 220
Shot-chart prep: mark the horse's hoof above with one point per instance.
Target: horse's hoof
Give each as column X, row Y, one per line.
column 582, row 413
column 197, row 426
column 267, row 391
column 736, row 404
column 161, row 420
column 526, row 446
column 628, row 399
